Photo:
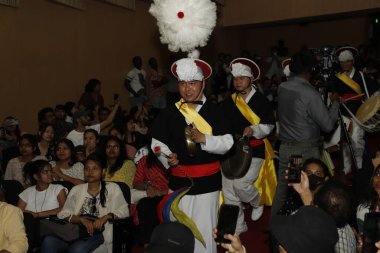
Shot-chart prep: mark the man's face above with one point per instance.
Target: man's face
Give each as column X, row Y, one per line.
column 103, row 115
column 50, row 118
column 346, row 65
column 190, row 90
column 242, row 82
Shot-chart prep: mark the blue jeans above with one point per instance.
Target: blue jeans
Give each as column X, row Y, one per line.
column 307, row 150
column 52, row 244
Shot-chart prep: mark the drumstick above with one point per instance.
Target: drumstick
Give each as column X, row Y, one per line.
column 351, row 98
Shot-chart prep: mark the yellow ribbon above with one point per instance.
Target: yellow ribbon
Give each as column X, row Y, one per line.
column 193, row 117
column 266, row 182
column 349, row 82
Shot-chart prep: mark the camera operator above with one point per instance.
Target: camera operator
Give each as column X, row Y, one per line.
column 354, row 87
column 302, row 115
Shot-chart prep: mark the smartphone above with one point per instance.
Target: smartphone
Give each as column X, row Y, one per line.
column 115, row 96
column 228, row 215
column 294, row 169
column 371, row 232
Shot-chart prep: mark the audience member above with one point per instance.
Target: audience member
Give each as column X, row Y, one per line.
column 12, row 231
column 171, row 237
column 135, row 82
column 28, row 151
column 91, row 141
column 156, row 89
column 119, row 168
column 91, row 99
column 10, row 133
column 103, row 113
column 46, row 116
column 66, row 167
column 62, row 127
column 82, row 122
column 46, row 141
column 103, row 201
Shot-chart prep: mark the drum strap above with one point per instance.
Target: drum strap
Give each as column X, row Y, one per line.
column 266, row 182
column 194, row 117
column 364, row 84
column 349, row 82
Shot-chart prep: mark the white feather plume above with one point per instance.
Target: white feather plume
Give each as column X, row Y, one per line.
column 189, row 32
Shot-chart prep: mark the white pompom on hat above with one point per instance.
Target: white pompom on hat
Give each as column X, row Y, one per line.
column 245, row 67
column 285, row 67
column 346, row 53
column 188, row 69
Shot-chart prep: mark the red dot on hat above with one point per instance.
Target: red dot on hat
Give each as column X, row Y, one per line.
column 180, row 15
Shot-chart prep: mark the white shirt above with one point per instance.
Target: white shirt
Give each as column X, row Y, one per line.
column 133, row 77
column 77, row 137
column 76, row 171
column 39, row 201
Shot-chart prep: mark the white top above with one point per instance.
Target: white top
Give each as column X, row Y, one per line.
column 76, row 171
column 14, row 170
column 77, row 137
column 133, row 77
column 115, row 203
column 39, row 201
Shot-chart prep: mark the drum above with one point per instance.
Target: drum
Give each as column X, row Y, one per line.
column 237, row 161
column 190, row 144
column 368, row 114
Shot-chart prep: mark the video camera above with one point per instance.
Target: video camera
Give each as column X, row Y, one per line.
column 326, row 65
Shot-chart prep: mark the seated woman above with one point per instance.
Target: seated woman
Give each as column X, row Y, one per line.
column 370, row 202
column 46, row 141
column 119, row 168
column 95, row 198
column 150, row 184
column 28, row 149
column 66, row 167
column 90, row 141
column 41, row 200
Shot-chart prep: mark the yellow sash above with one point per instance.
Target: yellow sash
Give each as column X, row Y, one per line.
column 266, row 182
column 349, row 82
column 193, row 117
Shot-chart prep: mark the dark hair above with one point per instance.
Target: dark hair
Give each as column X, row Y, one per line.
column 60, row 108
column 17, row 129
column 33, row 140
column 101, row 161
column 91, row 84
column 94, row 132
column 42, row 129
column 70, row 145
column 42, row 114
column 68, row 107
column 370, row 197
column 319, row 162
column 302, row 63
column 122, row 155
column 135, row 59
column 32, row 168
column 335, row 199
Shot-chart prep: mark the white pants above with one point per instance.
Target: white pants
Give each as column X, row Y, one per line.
column 203, row 210
column 357, row 142
column 241, row 190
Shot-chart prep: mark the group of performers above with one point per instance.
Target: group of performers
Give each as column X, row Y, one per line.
column 214, row 128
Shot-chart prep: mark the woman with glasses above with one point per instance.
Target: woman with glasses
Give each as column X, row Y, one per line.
column 119, row 168
column 103, row 202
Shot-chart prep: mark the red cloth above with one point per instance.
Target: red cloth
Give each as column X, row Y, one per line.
column 156, row 175
column 200, row 170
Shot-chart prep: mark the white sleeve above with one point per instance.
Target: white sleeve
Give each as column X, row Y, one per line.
column 58, row 188
column 25, row 195
column 78, row 170
column 218, row 144
column 261, row 130
column 96, row 127
column 165, row 151
column 71, row 202
column 131, row 75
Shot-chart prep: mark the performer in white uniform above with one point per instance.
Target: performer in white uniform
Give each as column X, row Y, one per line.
column 236, row 191
column 209, row 132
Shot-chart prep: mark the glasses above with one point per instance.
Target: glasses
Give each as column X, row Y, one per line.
column 113, row 146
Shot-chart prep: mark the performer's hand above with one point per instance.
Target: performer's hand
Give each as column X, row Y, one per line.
column 248, row 132
column 172, row 159
column 334, row 97
column 197, row 136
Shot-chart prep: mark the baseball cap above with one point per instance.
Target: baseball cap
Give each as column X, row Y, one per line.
column 172, row 237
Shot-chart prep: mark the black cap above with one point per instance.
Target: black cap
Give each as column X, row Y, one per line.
column 309, row 230
column 172, row 237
